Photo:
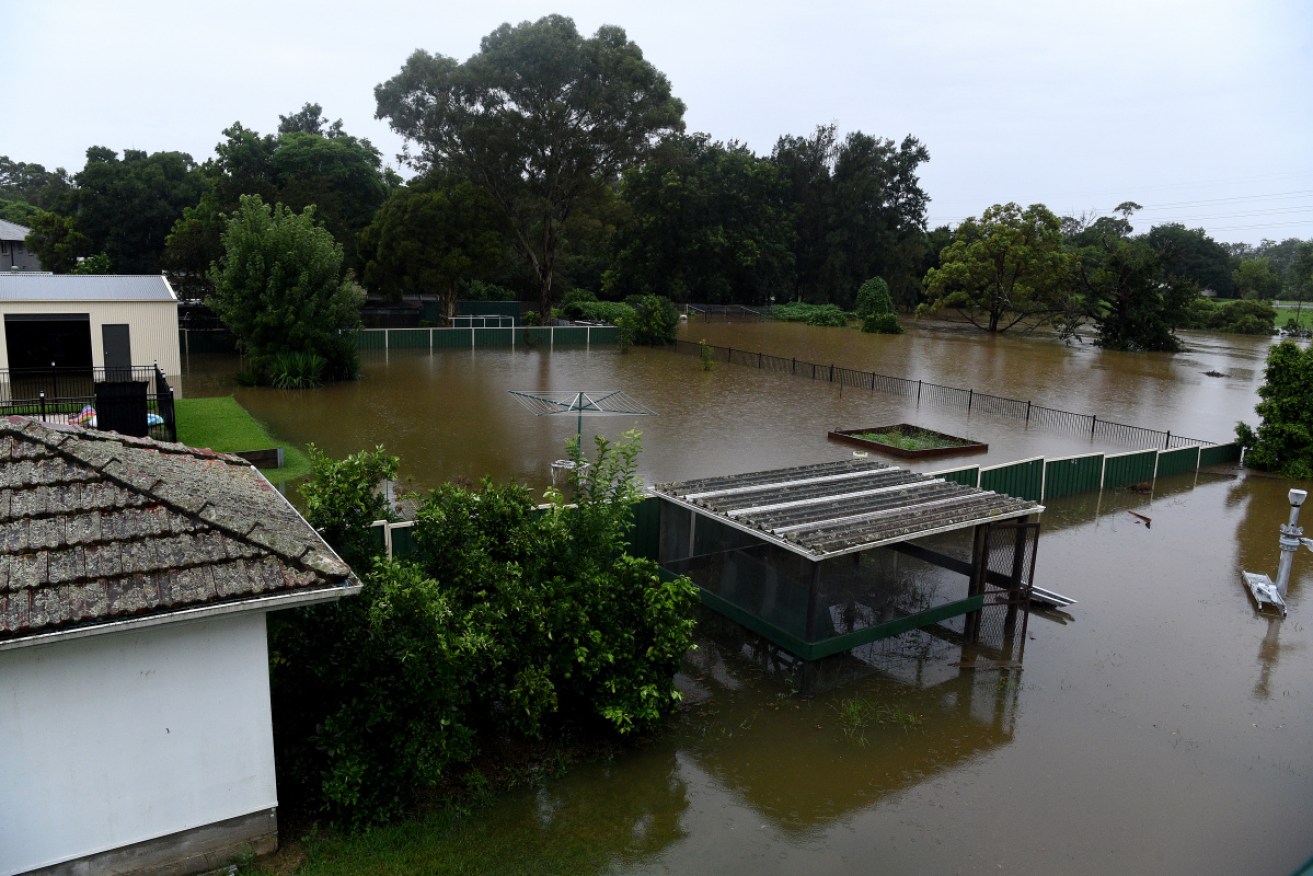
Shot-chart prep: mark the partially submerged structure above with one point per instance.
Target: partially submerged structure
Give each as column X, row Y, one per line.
column 135, row 578
column 825, row 558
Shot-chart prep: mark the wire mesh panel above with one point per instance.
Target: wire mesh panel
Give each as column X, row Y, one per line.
column 1009, row 572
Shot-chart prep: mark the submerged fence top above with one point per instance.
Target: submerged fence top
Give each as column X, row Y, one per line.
column 842, row 507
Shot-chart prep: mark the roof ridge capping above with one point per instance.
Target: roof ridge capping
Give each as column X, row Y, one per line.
column 111, row 455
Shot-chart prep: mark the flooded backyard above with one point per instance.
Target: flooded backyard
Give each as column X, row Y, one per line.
column 1160, row 725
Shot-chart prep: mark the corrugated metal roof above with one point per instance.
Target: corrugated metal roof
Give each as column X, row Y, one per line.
column 842, row 507
column 12, row 230
column 25, row 286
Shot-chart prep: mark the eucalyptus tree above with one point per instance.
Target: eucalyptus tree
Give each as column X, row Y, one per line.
column 540, row 117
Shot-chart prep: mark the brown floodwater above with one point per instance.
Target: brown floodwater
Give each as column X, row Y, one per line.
column 1161, row 725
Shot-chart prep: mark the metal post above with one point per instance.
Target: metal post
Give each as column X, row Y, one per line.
column 43, row 405
column 1094, row 421
column 918, row 392
column 1027, row 412
column 1167, row 444
column 971, row 396
column 1289, row 542
column 832, row 373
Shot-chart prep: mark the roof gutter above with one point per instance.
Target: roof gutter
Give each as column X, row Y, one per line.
column 274, row 602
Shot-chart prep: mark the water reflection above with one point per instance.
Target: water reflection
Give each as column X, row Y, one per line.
column 1165, row 730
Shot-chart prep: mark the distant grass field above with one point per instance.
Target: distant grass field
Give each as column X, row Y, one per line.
column 224, row 425
column 1287, row 311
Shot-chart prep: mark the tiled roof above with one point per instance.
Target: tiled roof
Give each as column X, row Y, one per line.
column 842, row 507
column 33, row 286
column 98, row 527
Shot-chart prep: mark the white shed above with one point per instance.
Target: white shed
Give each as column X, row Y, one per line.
column 135, row 578
column 92, row 321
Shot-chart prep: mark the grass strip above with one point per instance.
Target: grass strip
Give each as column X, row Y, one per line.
column 222, row 424
column 909, row 440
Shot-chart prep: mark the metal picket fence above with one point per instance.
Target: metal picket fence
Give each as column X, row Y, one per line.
column 951, row 396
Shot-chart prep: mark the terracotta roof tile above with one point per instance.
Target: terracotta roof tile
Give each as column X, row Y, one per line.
column 95, row 527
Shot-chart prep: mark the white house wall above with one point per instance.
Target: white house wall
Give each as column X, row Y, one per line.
column 124, row 737
column 153, row 329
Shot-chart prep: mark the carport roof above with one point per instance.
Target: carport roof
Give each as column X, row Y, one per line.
column 28, row 286
column 843, row 507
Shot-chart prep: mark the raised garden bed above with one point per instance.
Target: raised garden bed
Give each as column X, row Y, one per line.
column 907, row 441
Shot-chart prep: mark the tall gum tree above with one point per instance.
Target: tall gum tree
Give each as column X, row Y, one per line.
column 540, row 117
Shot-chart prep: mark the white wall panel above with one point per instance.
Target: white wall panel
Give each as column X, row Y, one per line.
column 118, row 738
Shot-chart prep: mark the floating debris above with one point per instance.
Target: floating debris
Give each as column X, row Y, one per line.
column 1140, row 518
column 1213, row 374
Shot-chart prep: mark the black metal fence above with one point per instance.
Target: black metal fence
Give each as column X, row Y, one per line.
column 133, row 400
column 935, row 393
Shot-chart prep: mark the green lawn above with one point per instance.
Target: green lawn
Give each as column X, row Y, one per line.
column 222, row 424
column 1288, row 310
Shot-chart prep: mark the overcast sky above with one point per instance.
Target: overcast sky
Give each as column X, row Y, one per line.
column 1199, row 110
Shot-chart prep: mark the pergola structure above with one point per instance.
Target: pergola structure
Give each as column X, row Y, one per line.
column 821, row 559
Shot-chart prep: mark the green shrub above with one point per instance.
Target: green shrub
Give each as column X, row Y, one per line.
column 873, row 298
column 477, row 290
column 509, row 622
column 302, row 370
column 1284, row 439
column 812, row 314
column 882, row 323
column 655, row 319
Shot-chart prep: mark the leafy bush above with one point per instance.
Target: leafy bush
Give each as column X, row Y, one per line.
column 1234, row 317
column 882, row 323
column 297, row 370
column 1284, row 440
column 812, row 314
column 875, row 307
column 477, row 290
column 656, row 319
column 575, row 295
column 279, row 286
column 509, row 622
column 613, row 312
column 873, row 298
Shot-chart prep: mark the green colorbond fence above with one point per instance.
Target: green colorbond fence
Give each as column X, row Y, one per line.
column 1040, row 479
column 1129, row 468
column 206, row 341
column 1024, row 479
column 486, row 338
column 1073, row 474
column 1172, row 462
column 487, row 308
column 1219, row 454
column 967, row 477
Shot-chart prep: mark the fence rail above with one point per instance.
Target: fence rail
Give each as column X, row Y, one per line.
column 475, row 337
column 954, row 396
column 135, row 400
column 1041, row 479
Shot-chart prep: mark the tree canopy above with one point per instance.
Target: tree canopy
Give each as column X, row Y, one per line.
column 1130, row 290
column 711, row 222
column 540, row 117
column 1284, row 440
column 860, row 211
column 431, row 237
column 309, row 162
column 279, row 288
column 127, row 205
column 1006, row 268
